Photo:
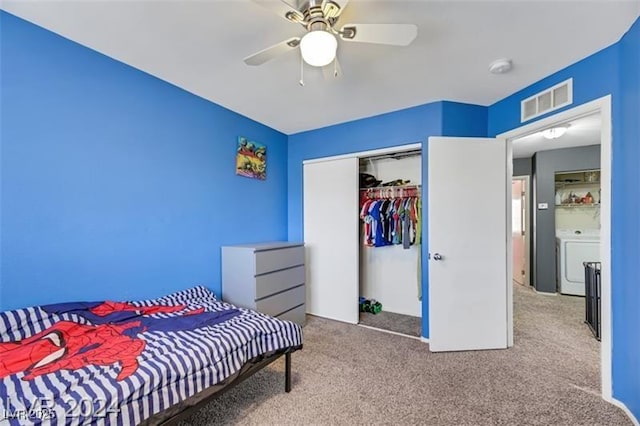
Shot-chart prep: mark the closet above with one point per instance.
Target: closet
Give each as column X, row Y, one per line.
column 390, row 242
column 341, row 266
column 469, row 276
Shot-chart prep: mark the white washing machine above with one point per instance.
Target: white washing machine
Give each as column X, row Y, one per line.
column 573, row 247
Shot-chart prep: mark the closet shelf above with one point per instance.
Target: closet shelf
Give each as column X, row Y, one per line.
column 579, row 205
column 375, row 188
column 560, row 184
column 385, row 192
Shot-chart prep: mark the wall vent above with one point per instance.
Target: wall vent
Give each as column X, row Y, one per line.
column 548, row 100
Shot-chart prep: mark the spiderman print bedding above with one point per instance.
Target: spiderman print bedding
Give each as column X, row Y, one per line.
column 122, row 362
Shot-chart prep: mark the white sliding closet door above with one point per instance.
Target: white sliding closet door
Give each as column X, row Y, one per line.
column 331, row 235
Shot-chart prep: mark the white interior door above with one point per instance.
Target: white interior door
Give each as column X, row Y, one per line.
column 518, row 230
column 467, row 244
column 331, row 235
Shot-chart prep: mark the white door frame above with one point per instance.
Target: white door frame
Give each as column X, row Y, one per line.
column 603, row 106
column 527, row 227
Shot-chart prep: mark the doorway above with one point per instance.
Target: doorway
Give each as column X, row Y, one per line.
column 600, row 106
column 520, row 229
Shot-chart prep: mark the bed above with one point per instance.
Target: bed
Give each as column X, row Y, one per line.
column 121, row 363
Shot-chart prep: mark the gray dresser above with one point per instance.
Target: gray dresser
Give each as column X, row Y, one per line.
column 266, row 277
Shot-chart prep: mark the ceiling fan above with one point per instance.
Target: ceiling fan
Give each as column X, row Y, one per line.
column 319, row 45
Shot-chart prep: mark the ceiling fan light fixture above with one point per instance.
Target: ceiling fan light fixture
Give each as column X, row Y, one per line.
column 554, row 132
column 318, row 48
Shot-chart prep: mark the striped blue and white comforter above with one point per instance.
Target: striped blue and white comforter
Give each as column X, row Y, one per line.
column 120, row 363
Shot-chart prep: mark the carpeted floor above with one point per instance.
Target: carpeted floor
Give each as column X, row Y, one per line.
column 404, row 324
column 353, row 375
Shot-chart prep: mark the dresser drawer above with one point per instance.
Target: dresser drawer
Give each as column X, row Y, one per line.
column 275, row 305
column 274, row 260
column 275, row 282
column 296, row 315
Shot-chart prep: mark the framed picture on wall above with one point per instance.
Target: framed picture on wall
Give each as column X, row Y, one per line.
column 251, row 159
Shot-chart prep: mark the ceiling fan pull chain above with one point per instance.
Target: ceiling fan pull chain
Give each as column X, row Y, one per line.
column 301, row 82
column 335, row 66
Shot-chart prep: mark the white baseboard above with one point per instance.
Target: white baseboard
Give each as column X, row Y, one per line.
column 626, row 410
column 424, row 340
column 543, row 293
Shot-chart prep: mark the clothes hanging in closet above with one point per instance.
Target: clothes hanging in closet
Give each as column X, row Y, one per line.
column 392, row 221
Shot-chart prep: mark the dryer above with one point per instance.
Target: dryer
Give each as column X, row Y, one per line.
column 573, row 247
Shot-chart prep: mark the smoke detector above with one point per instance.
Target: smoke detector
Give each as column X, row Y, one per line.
column 500, row 66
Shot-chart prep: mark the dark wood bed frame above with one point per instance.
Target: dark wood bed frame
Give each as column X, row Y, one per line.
column 248, row 370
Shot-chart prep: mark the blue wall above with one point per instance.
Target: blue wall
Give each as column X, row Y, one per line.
column 626, row 248
column 593, row 77
column 396, row 128
column 116, row 184
column 464, row 120
column 616, row 71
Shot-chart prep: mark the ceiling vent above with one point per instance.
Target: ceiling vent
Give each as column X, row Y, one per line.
column 548, row 100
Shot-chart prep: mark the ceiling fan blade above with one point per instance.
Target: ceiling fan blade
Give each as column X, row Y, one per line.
column 272, row 51
column 333, row 70
column 393, row 34
column 333, row 9
column 282, row 9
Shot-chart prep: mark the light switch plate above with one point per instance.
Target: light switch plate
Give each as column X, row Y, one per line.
column 543, row 206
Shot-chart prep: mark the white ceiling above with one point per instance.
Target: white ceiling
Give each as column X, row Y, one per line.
column 581, row 132
column 199, row 46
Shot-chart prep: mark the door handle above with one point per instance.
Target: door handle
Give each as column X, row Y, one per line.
column 437, row 256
